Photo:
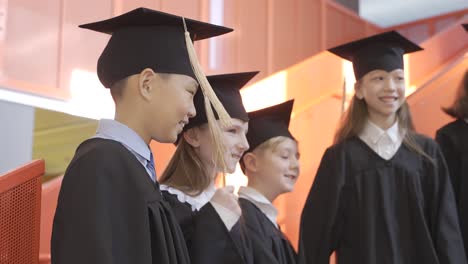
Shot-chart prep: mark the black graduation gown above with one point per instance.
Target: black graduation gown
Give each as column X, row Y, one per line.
column 208, row 240
column 109, row 211
column 269, row 245
column 371, row 210
column 453, row 140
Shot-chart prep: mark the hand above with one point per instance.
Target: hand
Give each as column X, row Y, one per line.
column 225, row 197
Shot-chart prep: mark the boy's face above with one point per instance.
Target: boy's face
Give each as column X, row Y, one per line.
column 172, row 105
column 278, row 168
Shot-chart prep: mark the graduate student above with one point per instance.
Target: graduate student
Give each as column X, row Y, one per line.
column 272, row 167
column 453, row 140
column 382, row 193
column 110, row 209
column 212, row 230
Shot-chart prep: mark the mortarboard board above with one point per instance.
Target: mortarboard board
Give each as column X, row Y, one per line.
column 379, row 52
column 145, row 38
column 226, row 88
column 268, row 123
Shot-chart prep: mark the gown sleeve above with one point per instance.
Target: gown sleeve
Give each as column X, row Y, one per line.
column 452, row 157
column 269, row 245
column 319, row 227
column 83, row 229
column 212, row 242
column 443, row 213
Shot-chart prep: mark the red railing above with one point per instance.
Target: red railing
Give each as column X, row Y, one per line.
column 20, row 211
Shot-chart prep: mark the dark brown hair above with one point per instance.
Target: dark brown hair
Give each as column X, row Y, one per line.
column 459, row 108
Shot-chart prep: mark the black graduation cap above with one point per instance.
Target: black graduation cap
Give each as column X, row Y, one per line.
column 226, row 88
column 268, row 123
column 145, row 38
column 379, row 52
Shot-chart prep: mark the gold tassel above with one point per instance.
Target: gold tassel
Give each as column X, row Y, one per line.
column 215, row 132
column 210, row 100
column 204, row 84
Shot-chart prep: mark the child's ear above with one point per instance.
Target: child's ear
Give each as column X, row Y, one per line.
column 146, row 83
column 192, row 137
column 250, row 162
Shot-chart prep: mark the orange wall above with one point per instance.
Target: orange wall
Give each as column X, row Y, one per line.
column 43, row 45
column 421, row 30
column 426, row 104
column 438, row 51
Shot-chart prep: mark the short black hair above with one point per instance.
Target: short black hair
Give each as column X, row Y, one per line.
column 118, row 88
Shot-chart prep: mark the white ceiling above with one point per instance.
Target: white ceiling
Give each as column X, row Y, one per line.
column 387, row 13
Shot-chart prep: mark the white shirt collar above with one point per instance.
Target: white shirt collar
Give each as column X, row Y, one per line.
column 466, row 120
column 260, row 201
column 384, row 142
column 374, row 133
column 196, row 202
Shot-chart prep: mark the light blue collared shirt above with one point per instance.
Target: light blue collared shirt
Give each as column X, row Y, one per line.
column 114, row 130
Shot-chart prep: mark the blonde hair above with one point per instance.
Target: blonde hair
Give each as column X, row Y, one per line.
column 459, row 108
column 185, row 170
column 270, row 144
column 355, row 118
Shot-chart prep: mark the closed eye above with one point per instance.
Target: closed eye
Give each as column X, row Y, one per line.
column 231, row 130
column 192, row 89
column 236, row 129
column 284, row 154
column 192, row 93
